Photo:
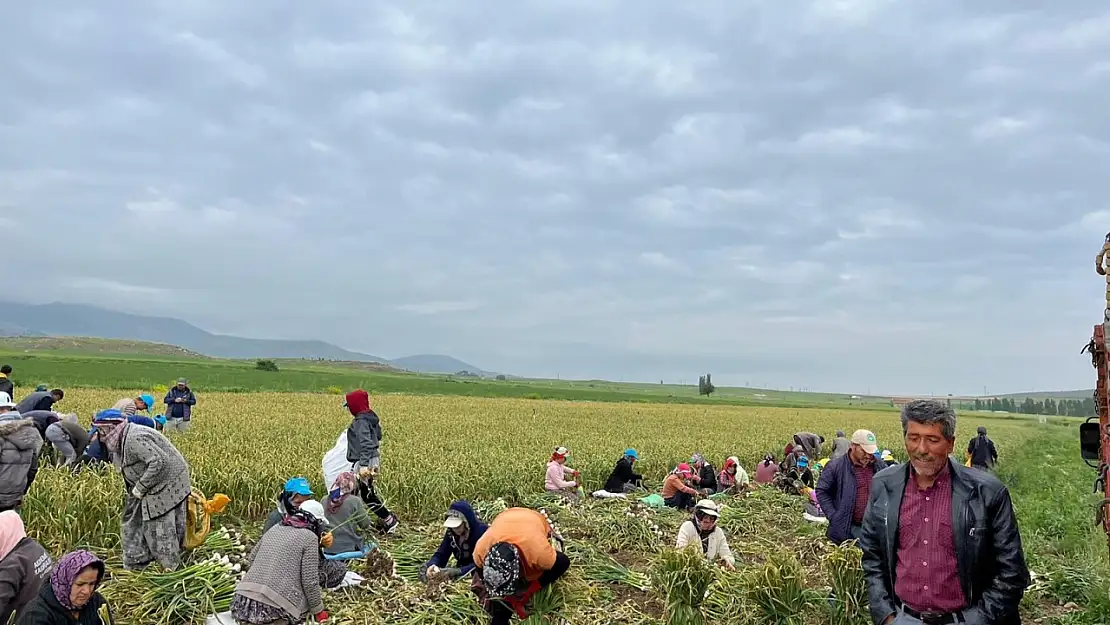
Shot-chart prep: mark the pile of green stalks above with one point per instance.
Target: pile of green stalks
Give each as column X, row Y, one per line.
column 684, row 577
column 203, row 586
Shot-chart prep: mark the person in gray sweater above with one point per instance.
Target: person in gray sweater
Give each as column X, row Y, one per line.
column 348, row 515
column 156, row 476
column 24, row 566
column 283, row 579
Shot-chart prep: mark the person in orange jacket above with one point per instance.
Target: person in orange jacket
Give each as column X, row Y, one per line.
column 677, row 492
column 514, row 560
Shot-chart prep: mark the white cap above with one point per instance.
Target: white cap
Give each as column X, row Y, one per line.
column 562, row 451
column 866, row 439
column 453, row 520
column 708, row 507
column 6, row 400
column 315, row 508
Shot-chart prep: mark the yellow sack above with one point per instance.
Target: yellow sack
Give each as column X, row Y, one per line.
column 198, row 516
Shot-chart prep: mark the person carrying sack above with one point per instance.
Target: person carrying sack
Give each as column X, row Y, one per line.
column 364, row 437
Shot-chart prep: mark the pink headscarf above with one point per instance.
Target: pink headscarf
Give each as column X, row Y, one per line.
column 11, row 531
column 345, row 484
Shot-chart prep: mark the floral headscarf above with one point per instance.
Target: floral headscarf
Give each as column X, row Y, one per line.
column 66, row 572
column 345, row 484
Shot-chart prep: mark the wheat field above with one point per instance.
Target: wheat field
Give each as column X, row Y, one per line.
column 436, row 449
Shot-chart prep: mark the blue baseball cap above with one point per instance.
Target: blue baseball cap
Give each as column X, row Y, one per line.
column 631, row 453
column 298, row 486
column 803, row 462
column 148, row 400
column 110, row 415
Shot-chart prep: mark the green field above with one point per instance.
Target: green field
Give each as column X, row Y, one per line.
column 91, row 363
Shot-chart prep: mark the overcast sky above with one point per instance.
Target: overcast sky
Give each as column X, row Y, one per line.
column 901, row 197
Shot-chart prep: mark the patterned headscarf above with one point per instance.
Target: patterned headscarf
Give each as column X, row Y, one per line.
column 346, row 484
column 110, row 424
column 67, row 570
column 501, row 572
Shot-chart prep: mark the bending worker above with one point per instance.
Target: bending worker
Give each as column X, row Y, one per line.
column 514, row 559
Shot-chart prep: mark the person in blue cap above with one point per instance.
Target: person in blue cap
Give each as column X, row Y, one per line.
column 129, row 406
column 624, row 479
column 295, row 492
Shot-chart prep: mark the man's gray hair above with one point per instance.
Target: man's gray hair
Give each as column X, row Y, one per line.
column 928, row 412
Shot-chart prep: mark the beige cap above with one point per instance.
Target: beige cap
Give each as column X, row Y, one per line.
column 866, row 439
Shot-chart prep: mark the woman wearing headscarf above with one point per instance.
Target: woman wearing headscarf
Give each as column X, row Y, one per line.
column 514, row 559
column 24, row 565
column 555, row 480
column 71, row 597
column 733, row 478
column 157, row 481
column 284, row 578
column 463, row 529
column 347, row 515
column 703, row 531
column 677, row 492
column 766, row 470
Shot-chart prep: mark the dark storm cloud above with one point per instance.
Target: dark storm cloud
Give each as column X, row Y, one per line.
column 838, row 195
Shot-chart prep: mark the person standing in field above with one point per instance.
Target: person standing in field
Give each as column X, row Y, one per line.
column 24, row 565
column 514, row 560
column 624, row 479
column 20, row 445
column 129, row 406
column 158, row 484
column 6, row 384
column 940, row 540
column 40, row 400
column 179, row 407
column 364, row 437
column 982, row 451
column 844, row 487
column 840, row 445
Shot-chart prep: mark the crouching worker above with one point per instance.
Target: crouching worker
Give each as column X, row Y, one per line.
column 284, row 576
column 295, row 492
column 702, row 531
column 677, row 492
column 555, row 480
column 733, row 479
column 513, row 561
column 624, row 479
column 463, row 531
column 350, row 519
column 71, row 596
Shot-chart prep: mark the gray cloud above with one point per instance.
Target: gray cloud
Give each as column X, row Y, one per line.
column 838, row 195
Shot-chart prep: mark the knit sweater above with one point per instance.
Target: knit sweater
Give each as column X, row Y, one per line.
column 150, row 463
column 285, row 571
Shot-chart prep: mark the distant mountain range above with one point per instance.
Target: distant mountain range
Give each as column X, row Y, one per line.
column 58, row 319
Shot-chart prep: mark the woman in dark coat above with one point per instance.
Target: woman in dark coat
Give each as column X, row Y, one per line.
column 71, row 597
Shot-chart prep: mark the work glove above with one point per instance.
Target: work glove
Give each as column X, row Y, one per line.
column 136, row 493
column 452, row 573
column 423, row 574
column 327, row 540
column 321, row 617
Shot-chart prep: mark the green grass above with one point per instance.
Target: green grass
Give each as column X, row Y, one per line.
column 74, row 368
column 1052, row 493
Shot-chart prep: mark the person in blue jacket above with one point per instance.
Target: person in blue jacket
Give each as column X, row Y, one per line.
column 463, row 529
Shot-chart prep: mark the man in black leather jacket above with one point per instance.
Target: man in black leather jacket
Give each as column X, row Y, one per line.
column 978, row 540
